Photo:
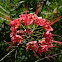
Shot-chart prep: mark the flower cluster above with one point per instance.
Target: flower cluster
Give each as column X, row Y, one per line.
column 39, row 46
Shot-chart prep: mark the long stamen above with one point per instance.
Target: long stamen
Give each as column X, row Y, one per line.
column 7, row 18
column 56, row 20
column 56, row 35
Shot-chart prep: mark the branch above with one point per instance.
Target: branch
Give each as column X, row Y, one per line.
column 7, row 54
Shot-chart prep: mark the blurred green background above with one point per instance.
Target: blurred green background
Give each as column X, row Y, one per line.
column 13, row 8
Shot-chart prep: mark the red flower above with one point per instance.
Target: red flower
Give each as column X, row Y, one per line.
column 17, row 38
column 44, row 48
column 26, row 19
column 33, row 45
column 12, row 34
column 13, row 29
column 48, row 36
column 28, row 31
column 20, row 32
column 36, row 20
column 43, row 45
column 48, row 28
column 12, row 23
column 15, row 22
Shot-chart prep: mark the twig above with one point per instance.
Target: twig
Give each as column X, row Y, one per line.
column 15, row 55
column 13, row 46
column 6, row 42
column 48, row 57
column 4, row 9
column 4, row 14
column 7, row 54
